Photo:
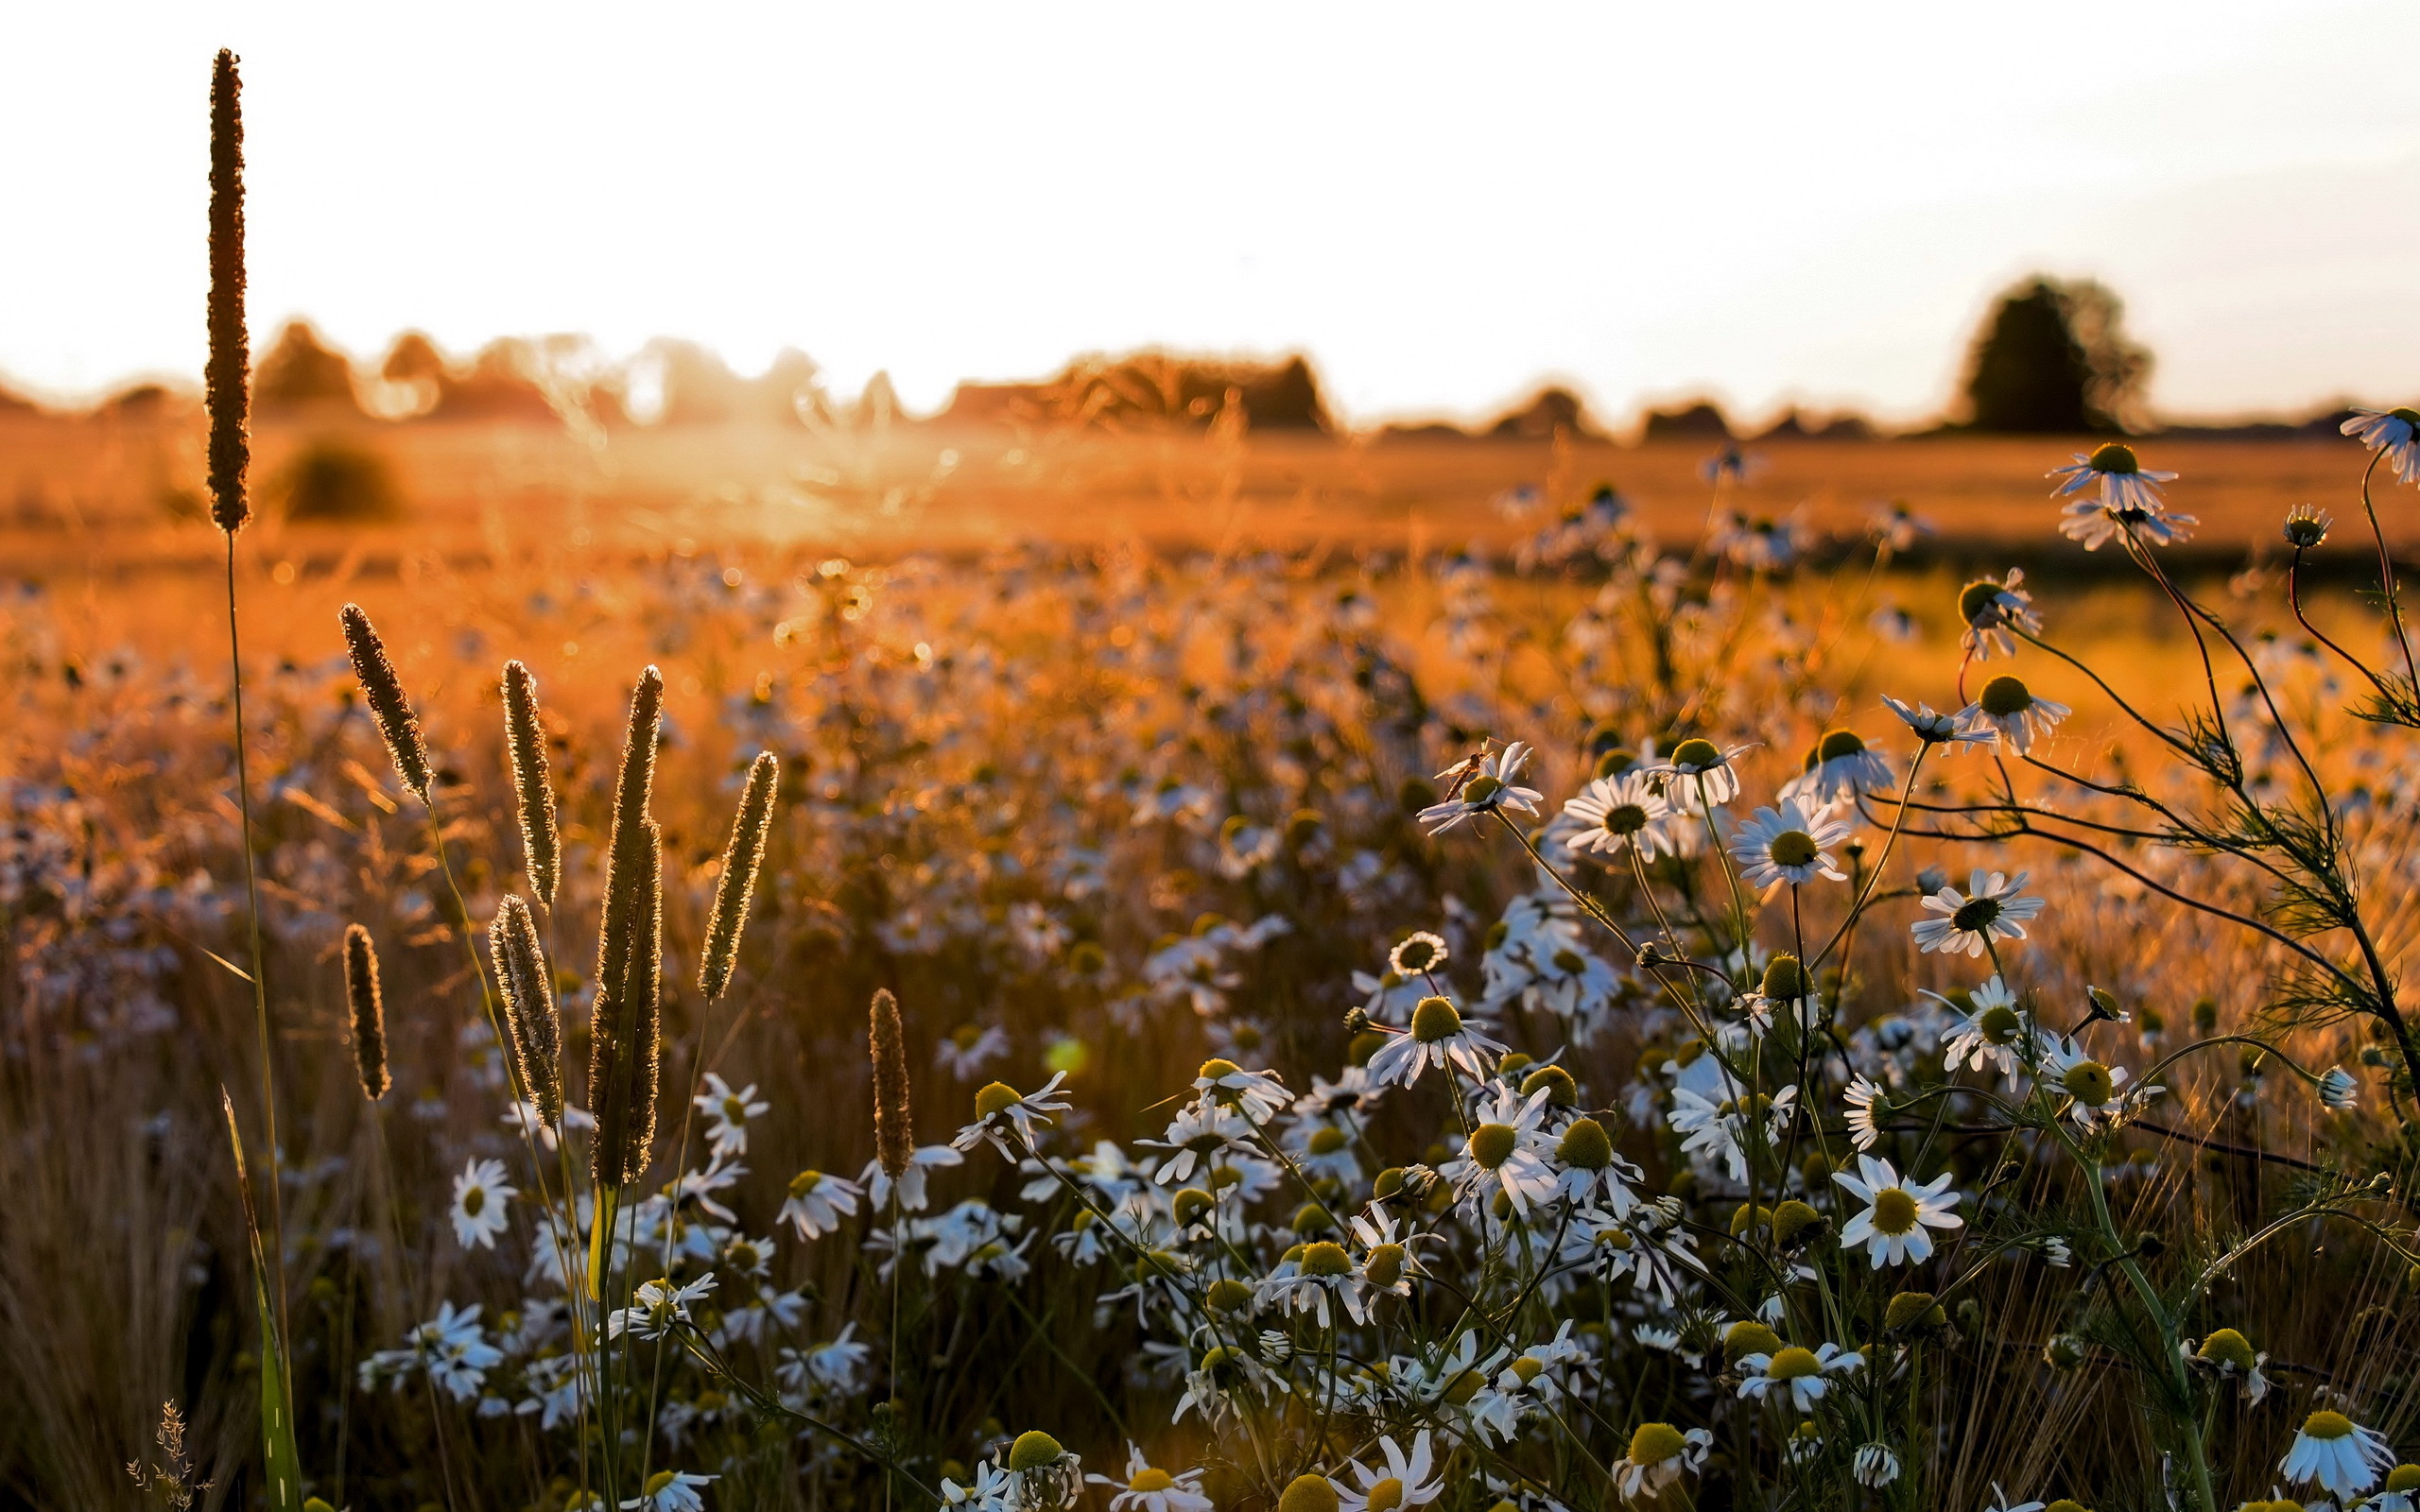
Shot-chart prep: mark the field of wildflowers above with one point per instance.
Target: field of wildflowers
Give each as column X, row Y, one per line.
column 1627, row 1024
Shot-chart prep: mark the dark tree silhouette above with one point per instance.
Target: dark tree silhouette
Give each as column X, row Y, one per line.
column 2052, row 359
column 302, row 373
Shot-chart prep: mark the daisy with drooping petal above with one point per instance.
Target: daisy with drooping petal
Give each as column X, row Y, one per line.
column 479, row 1197
column 1321, row 1273
column 1935, row 729
column 1438, row 1037
column 1866, row 1102
column 967, row 1049
column 1790, row 844
column 1593, row 1170
column 1258, row 1095
column 1839, row 768
column 1403, row 1483
column 1875, row 1466
column 2118, row 475
column 924, row 1159
column 817, row 1202
column 1896, row 1215
column 1993, row 1034
column 2228, row 1354
column 1991, row 610
column 1699, row 773
column 2095, row 1092
column 1799, row 1372
column 2395, row 432
column 999, row 1109
column 1506, row 1153
column 1620, row 813
column 1149, row 1489
column 2400, row 1493
column 1659, row 1454
column 2010, row 713
column 669, row 1491
column 1483, row 784
column 2338, row 1453
column 1994, row 907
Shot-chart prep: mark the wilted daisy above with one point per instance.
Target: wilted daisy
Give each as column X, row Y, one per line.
column 833, row 1365
column 656, row 1307
column 2338, row 1090
column 1935, row 729
column 1875, row 1464
column 1438, row 1037
column 2010, row 711
column 1896, row 1215
column 1149, row 1489
column 1659, row 1454
column 999, row 1109
column 1790, row 844
column 2395, row 432
column 669, row 1491
column 1994, row 907
column 1798, row 1372
column 1506, row 1153
column 2228, row 1354
column 727, row 1115
column 1619, row 813
column 1839, row 767
column 1701, row 773
column 1482, row 784
column 1992, row 1035
column 2338, row 1453
column 1404, row 1482
column 817, row 1202
column 479, row 1197
column 1991, row 610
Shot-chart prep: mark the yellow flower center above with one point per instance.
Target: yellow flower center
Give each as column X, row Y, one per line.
column 1215, row 1069
column 2116, row 458
column 1528, row 1367
column 1387, row 1495
column 1384, row 1264
column 1585, row 1146
column 1435, row 1020
column 2327, row 1425
column 2000, row 1024
column 1491, row 1144
column 994, row 1098
column 1839, row 743
column 1326, row 1257
column 1150, row 1478
column 1481, row 788
column 1794, row 1364
column 1794, row 848
column 805, row 1183
column 1696, row 755
column 655, row 1483
column 1894, row 1211
column 2006, row 696
column 2229, row 1348
column 1327, row 1140
column 1654, row 1443
column 1465, row 1387
column 474, row 1200
column 1308, row 1493
column 2089, row 1083
column 1034, row 1450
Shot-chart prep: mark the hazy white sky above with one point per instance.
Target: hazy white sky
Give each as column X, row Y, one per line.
column 1442, row 204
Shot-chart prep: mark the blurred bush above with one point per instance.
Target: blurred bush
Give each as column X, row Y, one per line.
column 302, row 375
column 333, row 479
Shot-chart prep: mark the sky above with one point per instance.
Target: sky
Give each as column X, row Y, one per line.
column 1444, row 205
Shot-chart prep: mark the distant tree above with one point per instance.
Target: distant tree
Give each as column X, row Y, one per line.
column 2052, row 357
column 1699, row 421
column 300, row 373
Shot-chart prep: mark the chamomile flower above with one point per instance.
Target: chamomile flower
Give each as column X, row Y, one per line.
column 1320, row 1274
column 669, row 1491
column 1717, row 1130
column 1593, row 1170
column 1994, row 907
column 2119, row 477
column 1839, row 768
column 817, row 1202
column 1992, row 1035
column 2337, row 1092
column 1258, row 1095
column 1699, row 773
column 923, row 1160
column 1438, row 1037
column 480, row 1198
column 2399, row 1494
column 1896, row 1215
column 1403, row 1483
column 1505, row 1153
column 2395, row 432
column 1196, row 1138
column 1418, row 953
column 1790, row 844
column 2001, row 1503
column 967, row 1049
column 1616, row 813
column 1148, row 1488
column 2010, row 711
column 1990, row 612
column 727, row 1115
column 1483, row 784
column 2337, row 1452
column 1866, row 1102
column 1875, row 1466
column 1000, row 1110
column 1935, row 729
column 990, row 1489
column 1799, row 1373
column 2095, row 1092
column 2228, row 1354
column 1659, row 1454
column 656, row 1307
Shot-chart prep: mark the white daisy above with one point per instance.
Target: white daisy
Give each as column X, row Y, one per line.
column 2338, row 1453
column 1438, row 1037
column 923, row 1160
column 1258, row 1095
column 1875, row 1466
column 1790, row 844
column 1404, row 1482
column 2121, row 477
column 1001, row 1109
column 1321, row 1272
column 1897, row 1216
column 2395, row 432
column 1619, row 813
column 479, row 1197
column 1659, row 1454
column 1717, row 1128
column 1148, row 1488
column 2337, row 1092
column 1866, row 1100
column 1593, row 1169
column 2228, row 1354
column 1991, row 610
column 1418, row 953
column 990, row 1490
column 727, row 1115
column 2010, row 711
column 817, row 1202
column 1994, row 907
column 1839, row 767
column 1482, row 784
column 656, row 1307
column 968, row 1049
column 1797, row 1371
column 1506, row 1153
column 1699, row 773
column 1994, row 1034
column 2095, row 1092
column 1935, row 729
column 669, row 1491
